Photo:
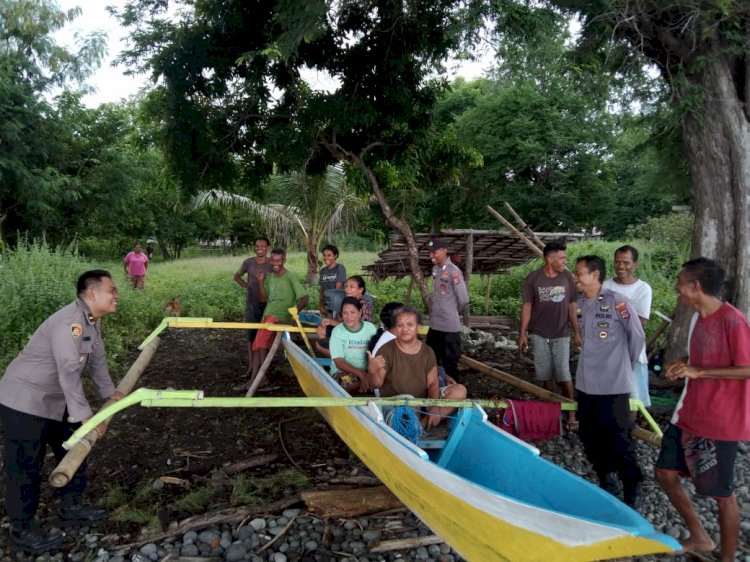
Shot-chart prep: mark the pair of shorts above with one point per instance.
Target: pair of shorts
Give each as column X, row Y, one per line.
column 551, row 357
column 640, row 384
column 708, row 462
column 253, row 314
column 264, row 338
column 443, row 383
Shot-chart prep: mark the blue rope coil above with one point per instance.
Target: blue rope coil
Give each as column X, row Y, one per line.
column 405, row 422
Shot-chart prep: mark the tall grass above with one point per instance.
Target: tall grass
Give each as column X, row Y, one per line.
column 36, row 280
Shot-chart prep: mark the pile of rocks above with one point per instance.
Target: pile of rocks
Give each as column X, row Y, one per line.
column 292, row 536
column 473, row 340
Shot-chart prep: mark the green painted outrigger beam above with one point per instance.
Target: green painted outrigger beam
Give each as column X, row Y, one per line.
column 150, row 398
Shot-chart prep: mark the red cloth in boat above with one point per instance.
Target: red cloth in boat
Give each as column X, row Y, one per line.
column 535, row 421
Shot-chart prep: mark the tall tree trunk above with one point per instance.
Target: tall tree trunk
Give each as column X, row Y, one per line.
column 718, row 150
column 312, row 261
column 403, row 227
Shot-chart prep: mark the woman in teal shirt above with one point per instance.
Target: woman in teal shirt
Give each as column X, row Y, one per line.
column 348, row 347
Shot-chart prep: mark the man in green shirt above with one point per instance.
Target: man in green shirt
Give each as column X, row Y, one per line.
column 280, row 290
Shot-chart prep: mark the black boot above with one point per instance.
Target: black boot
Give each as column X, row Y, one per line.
column 29, row 538
column 608, row 482
column 631, row 494
column 79, row 513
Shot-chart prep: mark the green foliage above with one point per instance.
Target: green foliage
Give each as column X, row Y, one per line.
column 197, row 501
column 252, row 491
column 127, row 507
column 673, row 231
column 36, row 279
column 32, row 186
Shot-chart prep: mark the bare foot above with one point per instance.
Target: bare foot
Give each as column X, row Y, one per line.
column 700, row 544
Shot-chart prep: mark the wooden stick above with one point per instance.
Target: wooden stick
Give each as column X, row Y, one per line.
column 534, row 390
column 261, row 374
column 202, row 521
column 277, row 537
column 488, row 294
column 525, row 227
column 67, row 467
column 241, row 466
column 295, row 315
column 350, row 503
column 409, row 289
column 659, row 331
column 533, row 247
column 406, row 544
column 521, row 384
column 469, row 267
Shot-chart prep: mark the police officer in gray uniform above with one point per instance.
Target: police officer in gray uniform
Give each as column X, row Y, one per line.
column 612, row 341
column 450, row 295
column 42, row 403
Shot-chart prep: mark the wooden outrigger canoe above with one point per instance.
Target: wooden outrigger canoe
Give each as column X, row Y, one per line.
column 486, row 493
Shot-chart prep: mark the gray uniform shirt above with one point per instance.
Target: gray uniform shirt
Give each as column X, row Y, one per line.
column 449, row 297
column 45, row 377
column 612, row 340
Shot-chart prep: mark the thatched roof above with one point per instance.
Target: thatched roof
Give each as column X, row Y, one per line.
column 494, row 251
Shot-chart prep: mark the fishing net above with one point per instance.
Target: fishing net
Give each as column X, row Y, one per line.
column 405, row 422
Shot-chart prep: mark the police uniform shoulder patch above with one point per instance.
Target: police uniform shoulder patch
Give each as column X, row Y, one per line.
column 76, row 330
column 456, row 278
column 622, row 309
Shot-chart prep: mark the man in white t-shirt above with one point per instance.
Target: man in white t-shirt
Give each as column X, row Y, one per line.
column 638, row 292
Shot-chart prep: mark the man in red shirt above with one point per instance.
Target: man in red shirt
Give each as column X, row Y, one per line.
column 713, row 413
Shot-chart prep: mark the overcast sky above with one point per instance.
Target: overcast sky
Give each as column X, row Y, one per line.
column 110, row 83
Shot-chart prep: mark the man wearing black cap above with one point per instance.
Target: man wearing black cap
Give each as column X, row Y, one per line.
column 450, row 296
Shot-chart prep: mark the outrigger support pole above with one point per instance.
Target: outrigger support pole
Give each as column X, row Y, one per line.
column 67, row 467
column 196, row 399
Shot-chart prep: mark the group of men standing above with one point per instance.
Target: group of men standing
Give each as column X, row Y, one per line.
column 607, row 317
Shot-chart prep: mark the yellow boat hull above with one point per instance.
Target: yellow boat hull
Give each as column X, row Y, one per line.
column 480, row 524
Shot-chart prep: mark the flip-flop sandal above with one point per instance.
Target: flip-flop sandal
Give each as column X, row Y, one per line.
column 267, row 388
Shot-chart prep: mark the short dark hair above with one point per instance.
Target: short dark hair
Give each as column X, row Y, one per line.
column 262, row 239
column 359, row 280
column 406, row 309
column 279, row 252
column 90, row 278
column 594, row 263
column 627, row 248
column 331, row 248
column 554, row 246
column 708, row 273
column 386, row 314
column 352, row 301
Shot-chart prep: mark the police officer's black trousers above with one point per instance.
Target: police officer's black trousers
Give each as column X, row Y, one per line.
column 447, row 348
column 25, row 445
column 606, row 430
